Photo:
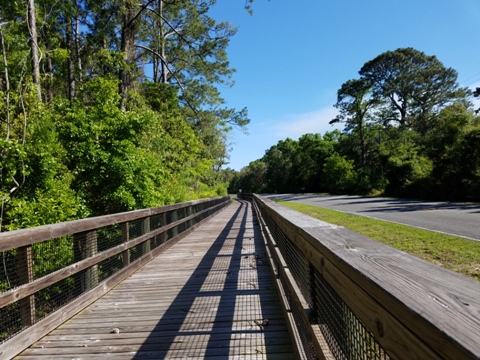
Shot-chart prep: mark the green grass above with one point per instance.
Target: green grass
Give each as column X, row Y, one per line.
column 451, row 252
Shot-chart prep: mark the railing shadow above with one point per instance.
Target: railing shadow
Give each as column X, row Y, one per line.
column 228, row 282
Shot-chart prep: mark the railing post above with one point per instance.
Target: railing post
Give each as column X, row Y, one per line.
column 173, row 218
column 163, row 235
column 184, row 225
column 189, row 211
column 145, row 230
column 85, row 247
column 195, row 211
column 125, row 239
column 25, row 274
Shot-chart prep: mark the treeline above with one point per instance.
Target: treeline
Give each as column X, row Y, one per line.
column 409, row 131
column 110, row 105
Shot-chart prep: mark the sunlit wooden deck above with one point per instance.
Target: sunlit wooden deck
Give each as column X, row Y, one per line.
column 212, row 295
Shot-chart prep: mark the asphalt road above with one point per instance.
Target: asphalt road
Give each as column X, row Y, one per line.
column 450, row 218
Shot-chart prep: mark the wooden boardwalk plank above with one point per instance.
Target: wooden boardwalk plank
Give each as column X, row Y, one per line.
column 209, row 296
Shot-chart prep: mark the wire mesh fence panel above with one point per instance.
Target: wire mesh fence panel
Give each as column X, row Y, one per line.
column 10, row 279
column 52, row 255
column 108, row 238
column 300, row 268
column 135, row 228
column 156, row 222
column 9, row 276
column 11, row 321
column 136, row 252
column 172, row 217
column 308, row 350
column 10, row 315
column 347, row 337
column 55, row 296
column 296, row 261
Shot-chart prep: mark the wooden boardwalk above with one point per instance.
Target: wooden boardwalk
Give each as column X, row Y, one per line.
column 212, row 295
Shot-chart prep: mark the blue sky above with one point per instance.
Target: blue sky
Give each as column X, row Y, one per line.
column 291, row 57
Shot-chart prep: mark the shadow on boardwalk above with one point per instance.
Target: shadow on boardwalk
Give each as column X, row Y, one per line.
column 227, row 307
column 211, row 295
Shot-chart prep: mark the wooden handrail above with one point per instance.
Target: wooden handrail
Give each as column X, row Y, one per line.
column 23, row 237
column 33, row 286
column 411, row 308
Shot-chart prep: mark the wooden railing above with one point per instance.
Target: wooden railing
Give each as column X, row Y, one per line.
column 350, row 297
column 49, row 273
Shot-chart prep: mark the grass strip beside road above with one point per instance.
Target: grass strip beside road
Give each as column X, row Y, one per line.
column 451, row 252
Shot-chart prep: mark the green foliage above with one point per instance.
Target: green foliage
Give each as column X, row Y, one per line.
column 412, row 86
column 124, row 160
column 250, row 179
column 119, row 142
column 12, row 158
column 160, row 96
column 280, row 161
column 289, row 166
column 405, row 171
column 312, row 152
column 467, row 169
column 339, row 174
column 45, row 196
column 54, row 204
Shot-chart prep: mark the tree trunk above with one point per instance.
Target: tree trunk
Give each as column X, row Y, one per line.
column 158, row 33
column 155, row 69
column 70, row 61
column 163, row 60
column 7, row 85
column 362, row 141
column 127, row 49
column 32, row 26
column 49, row 75
column 77, row 43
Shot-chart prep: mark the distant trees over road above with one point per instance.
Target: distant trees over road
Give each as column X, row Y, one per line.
column 409, row 130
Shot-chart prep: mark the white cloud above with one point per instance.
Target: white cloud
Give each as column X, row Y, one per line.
column 264, row 135
column 296, row 125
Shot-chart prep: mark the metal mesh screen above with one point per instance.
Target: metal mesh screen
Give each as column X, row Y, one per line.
column 305, row 336
column 300, row 270
column 23, row 265
column 346, row 336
